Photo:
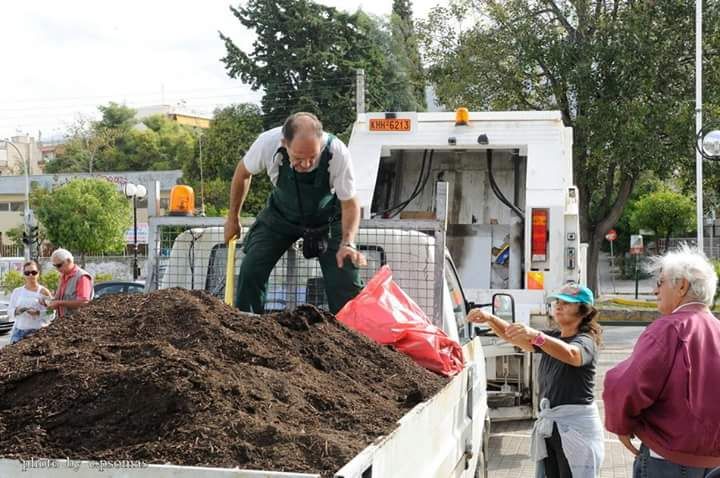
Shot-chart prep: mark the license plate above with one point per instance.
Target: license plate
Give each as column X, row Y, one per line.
column 390, row 124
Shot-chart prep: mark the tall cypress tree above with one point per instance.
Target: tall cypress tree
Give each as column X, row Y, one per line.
column 407, row 50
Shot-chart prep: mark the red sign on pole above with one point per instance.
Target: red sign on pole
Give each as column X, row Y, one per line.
column 611, row 235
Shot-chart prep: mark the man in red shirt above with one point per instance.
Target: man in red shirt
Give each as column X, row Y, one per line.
column 665, row 393
column 76, row 287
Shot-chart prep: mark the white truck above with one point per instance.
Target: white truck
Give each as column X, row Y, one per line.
column 509, row 215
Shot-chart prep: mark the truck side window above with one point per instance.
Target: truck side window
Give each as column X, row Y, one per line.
column 215, row 280
column 304, row 285
column 457, row 300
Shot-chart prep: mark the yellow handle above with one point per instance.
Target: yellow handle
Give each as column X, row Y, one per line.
column 230, row 273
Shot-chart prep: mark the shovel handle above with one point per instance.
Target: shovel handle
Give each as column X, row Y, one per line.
column 230, row 272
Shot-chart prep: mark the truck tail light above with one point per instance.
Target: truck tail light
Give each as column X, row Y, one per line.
column 539, row 235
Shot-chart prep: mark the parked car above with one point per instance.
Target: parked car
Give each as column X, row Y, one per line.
column 117, row 287
column 5, row 323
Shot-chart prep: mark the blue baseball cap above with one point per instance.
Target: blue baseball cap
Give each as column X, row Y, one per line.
column 574, row 293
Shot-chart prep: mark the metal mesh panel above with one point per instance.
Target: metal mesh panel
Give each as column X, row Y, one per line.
column 189, row 252
column 193, row 256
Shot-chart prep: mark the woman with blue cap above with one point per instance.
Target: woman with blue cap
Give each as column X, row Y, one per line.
column 567, row 440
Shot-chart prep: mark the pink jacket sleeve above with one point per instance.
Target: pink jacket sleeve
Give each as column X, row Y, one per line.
column 635, row 383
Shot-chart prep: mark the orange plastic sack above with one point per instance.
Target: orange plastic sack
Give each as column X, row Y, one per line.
column 384, row 313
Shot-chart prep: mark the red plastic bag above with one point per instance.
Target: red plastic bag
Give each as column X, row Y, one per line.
column 384, row 313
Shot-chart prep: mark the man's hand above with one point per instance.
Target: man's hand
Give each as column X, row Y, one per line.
column 232, row 229
column 355, row 256
column 479, row 316
column 52, row 304
column 625, row 440
column 520, row 333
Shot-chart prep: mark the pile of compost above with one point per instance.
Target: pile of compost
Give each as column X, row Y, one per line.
column 178, row 377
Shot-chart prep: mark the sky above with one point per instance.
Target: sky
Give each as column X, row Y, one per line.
column 61, row 59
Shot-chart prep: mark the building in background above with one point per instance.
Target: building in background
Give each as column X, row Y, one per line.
column 12, row 193
column 11, row 164
column 176, row 114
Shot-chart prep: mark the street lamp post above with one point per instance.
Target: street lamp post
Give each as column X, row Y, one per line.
column 698, row 123
column 27, row 216
column 707, row 146
column 135, row 192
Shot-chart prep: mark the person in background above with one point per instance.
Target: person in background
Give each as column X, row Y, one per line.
column 76, row 285
column 567, row 439
column 665, row 393
column 26, row 306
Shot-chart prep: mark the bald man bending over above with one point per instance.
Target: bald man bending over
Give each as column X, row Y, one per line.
column 313, row 198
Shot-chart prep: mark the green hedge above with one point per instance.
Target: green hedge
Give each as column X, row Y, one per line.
column 14, row 279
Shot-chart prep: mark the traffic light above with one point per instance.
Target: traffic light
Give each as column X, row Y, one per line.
column 30, row 236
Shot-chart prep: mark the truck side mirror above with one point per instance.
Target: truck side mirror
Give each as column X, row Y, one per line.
column 503, row 306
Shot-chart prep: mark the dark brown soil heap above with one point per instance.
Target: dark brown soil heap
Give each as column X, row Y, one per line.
column 178, row 377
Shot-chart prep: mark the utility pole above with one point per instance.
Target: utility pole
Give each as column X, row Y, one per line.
column 360, row 91
column 698, row 122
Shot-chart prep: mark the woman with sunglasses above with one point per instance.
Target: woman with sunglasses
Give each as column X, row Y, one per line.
column 26, row 304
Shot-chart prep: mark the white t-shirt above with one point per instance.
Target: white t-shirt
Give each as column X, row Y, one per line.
column 261, row 157
column 22, row 297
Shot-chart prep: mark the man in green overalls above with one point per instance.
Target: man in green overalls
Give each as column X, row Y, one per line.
column 314, row 190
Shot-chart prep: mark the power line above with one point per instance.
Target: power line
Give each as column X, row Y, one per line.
column 157, row 92
column 178, row 100
column 53, row 116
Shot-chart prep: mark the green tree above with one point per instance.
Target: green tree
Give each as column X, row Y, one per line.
column 50, row 279
column 158, row 144
column 84, row 215
column 11, row 280
column 89, row 139
column 117, row 142
column 407, row 52
column 232, row 130
column 665, row 212
column 647, row 184
column 14, row 279
column 116, row 116
column 305, row 58
column 85, row 141
column 621, row 73
column 16, row 236
column 394, row 86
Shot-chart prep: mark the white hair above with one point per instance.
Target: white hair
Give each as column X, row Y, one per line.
column 689, row 264
column 61, row 255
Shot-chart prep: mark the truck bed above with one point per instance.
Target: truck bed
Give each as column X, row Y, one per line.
column 441, row 437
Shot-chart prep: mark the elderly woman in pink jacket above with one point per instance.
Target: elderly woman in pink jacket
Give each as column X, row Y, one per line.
column 665, row 393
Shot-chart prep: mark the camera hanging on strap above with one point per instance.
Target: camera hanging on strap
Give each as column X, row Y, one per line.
column 315, row 239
